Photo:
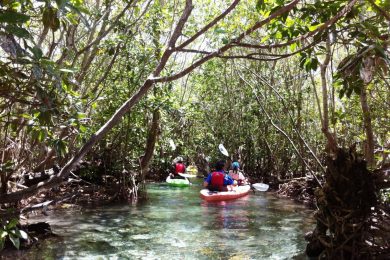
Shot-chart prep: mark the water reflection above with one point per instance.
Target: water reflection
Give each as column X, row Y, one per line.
column 227, row 215
column 176, row 224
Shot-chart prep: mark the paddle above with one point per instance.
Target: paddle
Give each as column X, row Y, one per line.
column 223, row 150
column 187, row 175
column 257, row 186
column 260, row 186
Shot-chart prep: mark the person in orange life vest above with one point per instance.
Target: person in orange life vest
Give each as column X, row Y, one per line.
column 218, row 180
column 179, row 168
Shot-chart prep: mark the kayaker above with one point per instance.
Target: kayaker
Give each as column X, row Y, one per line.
column 235, row 166
column 179, row 168
column 218, row 180
column 239, row 177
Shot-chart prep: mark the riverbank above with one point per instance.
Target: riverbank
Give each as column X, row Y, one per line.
column 300, row 190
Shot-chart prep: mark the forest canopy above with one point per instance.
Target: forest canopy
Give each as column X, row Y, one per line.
column 110, row 92
column 128, row 77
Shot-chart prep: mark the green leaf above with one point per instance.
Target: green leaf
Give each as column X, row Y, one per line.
column 314, row 64
column 278, row 35
column 82, row 128
column 17, row 31
column 81, row 115
column 21, row 234
column 37, row 52
column 41, row 136
column 2, row 241
column 3, row 234
column 314, row 27
column 61, row 3
column 219, row 30
column 342, row 93
column 225, row 40
column 13, row 17
column 293, row 47
column 15, row 241
column 61, row 147
column 259, row 5
column 266, row 38
column 67, row 70
column 12, row 223
column 77, row 5
column 284, row 17
column 15, row 5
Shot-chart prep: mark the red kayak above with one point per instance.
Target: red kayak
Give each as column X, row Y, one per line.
column 238, row 192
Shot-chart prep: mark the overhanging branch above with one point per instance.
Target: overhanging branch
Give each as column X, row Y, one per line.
column 230, row 45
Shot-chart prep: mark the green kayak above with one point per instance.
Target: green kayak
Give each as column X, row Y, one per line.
column 178, row 182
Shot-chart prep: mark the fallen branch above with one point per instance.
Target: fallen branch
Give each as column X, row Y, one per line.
column 37, row 206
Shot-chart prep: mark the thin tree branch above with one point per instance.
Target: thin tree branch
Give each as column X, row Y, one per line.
column 279, row 129
column 231, row 44
column 104, row 33
column 208, row 26
column 380, row 10
column 291, row 118
column 114, row 120
column 321, row 28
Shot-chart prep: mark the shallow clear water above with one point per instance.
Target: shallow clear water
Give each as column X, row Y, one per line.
column 174, row 223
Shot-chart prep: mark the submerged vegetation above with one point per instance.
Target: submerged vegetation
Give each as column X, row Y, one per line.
column 112, row 91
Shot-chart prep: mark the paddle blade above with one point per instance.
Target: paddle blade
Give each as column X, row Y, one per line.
column 187, row 175
column 223, row 150
column 172, row 144
column 260, row 186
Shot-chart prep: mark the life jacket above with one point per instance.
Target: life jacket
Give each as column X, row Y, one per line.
column 180, row 168
column 217, row 180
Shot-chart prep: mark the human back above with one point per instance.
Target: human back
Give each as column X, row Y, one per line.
column 217, row 180
column 235, row 166
column 180, row 168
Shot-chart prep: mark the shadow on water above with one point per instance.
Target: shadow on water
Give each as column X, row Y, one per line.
column 174, row 223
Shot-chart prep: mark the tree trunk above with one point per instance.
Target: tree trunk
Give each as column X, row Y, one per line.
column 369, row 147
column 332, row 145
column 150, row 143
column 113, row 121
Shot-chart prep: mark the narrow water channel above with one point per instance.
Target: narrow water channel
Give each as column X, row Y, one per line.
column 174, row 223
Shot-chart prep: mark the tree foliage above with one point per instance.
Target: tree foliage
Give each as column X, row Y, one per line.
column 245, row 73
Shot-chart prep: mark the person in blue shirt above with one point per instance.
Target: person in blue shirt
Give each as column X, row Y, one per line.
column 235, row 166
column 218, row 180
